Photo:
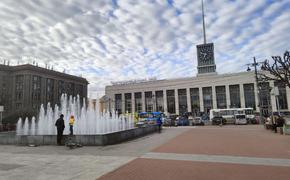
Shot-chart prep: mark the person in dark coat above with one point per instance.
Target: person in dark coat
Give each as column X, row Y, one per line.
column 159, row 123
column 60, row 127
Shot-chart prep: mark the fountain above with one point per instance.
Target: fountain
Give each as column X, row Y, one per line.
column 91, row 127
column 88, row 120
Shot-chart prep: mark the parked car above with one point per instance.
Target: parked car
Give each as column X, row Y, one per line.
column 170, row 120
column 182, row 121
column 251, row 119
column 190, row 119
column 197, row 121
column 240, row 119
column 217, row 120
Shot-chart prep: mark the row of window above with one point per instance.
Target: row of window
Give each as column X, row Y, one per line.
column 63, row 87
column 156, row 102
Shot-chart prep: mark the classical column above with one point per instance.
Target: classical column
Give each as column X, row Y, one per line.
column 165, row 102
column 201, row 99
column 288, row 97
column 123, row 103
column 154, row 101
column 257, row 98
column 228, row 97
column 176, row 101
column 242, row 96
column 188, row 100
column 273, row 98
column 133, row 102
column 214, row 101
column 143, row 101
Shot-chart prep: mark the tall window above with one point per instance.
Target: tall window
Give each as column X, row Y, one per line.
column 60, row 88
column 36, row 92
column 182, row 101
column 70, row 87
column 195, row 104
column 50, row 90
column 249, row 94
column 235, row 96
column 148, row 102
column 81, row 90
column 128, row 102
column 138, row 102
column 159, row 101
column 207, row 99
column 282, row 98
column 170, row 101
column 118, row 103
column 221, row 97
column 3, row 93
column 19, row 83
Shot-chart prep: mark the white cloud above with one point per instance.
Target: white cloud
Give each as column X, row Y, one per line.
column 132, row 39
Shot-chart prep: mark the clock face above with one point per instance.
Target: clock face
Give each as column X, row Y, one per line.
column 205, row 53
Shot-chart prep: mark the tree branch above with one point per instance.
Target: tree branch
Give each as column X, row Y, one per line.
column 279, row 70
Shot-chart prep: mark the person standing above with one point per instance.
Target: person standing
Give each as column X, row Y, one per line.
column 159, row 123
column 71, row 124
column 60, row 127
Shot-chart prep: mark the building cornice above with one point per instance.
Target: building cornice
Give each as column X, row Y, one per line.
column 29, row 67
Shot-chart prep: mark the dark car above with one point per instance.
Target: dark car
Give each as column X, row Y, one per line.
column 217, row 120
column 182, row 121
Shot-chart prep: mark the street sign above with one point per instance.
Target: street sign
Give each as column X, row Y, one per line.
column 1, row 108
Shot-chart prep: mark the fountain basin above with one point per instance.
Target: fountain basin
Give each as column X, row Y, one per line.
column 85, row 140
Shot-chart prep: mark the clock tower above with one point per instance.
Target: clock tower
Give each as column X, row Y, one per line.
column 205, row 53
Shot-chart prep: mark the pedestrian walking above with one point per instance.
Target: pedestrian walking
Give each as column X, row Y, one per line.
column 60, row 127
column 159, row 123
column 71, row 124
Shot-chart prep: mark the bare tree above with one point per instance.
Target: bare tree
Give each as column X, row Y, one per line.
column 279, row 70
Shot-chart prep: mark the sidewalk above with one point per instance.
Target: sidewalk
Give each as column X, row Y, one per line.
column 212, row 152
column 86, row 163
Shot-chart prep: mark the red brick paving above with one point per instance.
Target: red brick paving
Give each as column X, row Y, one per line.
column 252, row 141
column 150, row 169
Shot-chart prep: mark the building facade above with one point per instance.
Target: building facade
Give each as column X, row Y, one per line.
column 25, row 87
column 198, row 95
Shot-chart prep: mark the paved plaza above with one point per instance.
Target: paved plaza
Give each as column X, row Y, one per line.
column 209, row 152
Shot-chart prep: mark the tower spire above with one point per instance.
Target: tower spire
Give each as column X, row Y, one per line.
column 203, row 23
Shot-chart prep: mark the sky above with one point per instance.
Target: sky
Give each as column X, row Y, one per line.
column 118, row 40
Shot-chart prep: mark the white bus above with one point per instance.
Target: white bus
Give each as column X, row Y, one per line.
column 229, row 114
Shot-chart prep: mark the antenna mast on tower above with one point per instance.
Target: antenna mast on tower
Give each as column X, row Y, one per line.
column 203, row 23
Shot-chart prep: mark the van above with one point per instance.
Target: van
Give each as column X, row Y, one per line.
column 240, row 119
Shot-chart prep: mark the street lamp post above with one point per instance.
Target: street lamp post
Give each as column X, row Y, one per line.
column 255, row 64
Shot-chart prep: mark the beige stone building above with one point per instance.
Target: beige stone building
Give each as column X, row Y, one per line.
column 197, row 95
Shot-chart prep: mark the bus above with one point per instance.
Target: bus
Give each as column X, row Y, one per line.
column 149, row 117
column 229, row 114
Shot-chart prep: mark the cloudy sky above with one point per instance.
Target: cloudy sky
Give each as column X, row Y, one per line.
column 114, row 40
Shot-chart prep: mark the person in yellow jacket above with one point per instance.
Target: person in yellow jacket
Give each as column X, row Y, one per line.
column 71, row 124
